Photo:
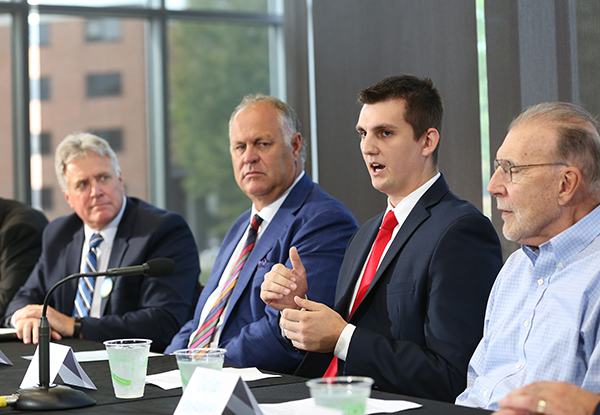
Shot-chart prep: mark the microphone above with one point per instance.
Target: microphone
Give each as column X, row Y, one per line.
column 47, row 397
column 155, row 267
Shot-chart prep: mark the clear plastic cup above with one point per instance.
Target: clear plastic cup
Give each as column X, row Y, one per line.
column 128, row 360
column 189, row 359
column 347, row 393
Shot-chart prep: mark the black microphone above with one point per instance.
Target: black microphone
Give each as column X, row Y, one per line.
column 46, row 397
column 155, row 267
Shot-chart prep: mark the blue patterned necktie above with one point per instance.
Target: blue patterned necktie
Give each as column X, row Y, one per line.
column 85, row 289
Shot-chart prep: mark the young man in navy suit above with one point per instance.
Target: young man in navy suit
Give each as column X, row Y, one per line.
column 127, row 232
column 410, row 297
column 267, row 153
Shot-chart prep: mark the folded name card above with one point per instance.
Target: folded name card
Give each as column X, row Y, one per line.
column 210, row 391
column 63, row 363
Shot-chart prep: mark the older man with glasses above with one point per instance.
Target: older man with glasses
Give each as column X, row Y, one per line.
column 542, row 317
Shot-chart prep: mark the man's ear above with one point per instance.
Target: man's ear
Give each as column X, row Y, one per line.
column 570, row 181
column 297, row 143
column 430, row 141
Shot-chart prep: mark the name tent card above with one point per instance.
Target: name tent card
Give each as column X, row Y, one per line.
column 210, row 391
column 5, row 360
column 63, row 363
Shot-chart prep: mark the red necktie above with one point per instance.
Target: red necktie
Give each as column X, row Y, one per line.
column 383, row 238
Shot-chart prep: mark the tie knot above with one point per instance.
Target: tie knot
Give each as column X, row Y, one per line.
column 256, row 221
column 390, row 221
column 95, row 240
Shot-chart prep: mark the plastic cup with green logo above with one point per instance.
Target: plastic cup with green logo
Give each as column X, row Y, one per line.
column 347, row 393
column 189, row 359
column 128, row 360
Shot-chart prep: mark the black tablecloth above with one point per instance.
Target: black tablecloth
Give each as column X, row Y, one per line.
column 162, row 402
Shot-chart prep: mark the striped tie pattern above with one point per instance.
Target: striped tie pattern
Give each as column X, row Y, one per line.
column 205, row 333
column 85, row 289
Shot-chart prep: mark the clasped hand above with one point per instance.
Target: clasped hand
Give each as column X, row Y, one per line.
column 27, row 321
column 309, row 325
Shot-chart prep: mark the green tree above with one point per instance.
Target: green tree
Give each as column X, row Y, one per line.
column 212, row 66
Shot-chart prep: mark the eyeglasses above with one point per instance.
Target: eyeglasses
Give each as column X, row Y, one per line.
column 508, row 169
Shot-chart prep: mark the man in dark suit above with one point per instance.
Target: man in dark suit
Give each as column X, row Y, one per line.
column 20, row 245
column 107, row 230
column 410, row 297
column 267, row 155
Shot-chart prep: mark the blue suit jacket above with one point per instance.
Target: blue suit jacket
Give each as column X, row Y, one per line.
column 138, row 306
column 422, row 316
column 320, row 227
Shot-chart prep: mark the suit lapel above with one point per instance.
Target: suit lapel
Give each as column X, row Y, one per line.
column 346, row 286
column 73, row 263
column 417, row 216
column 278, row 226
column 226, row 252
column 120, row 243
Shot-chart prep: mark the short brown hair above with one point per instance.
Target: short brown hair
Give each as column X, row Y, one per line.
column 424, row 107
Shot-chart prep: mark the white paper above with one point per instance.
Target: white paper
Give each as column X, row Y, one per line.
column 63, row 363
column 172, row 379
column 308, row 406
column 249, row 374
column 290, row 408
column 94, row 356
column 209, row 392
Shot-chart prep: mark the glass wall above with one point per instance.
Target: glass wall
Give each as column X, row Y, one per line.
column 6, row 160
column 212, row 66
column 91, row 78
column 159, row 85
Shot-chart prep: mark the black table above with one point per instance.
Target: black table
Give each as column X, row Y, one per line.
column 162, row 402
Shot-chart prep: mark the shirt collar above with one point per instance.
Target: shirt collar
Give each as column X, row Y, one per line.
column 268, row 212
column 571, row 241
column 403, row 209
column 109, row 231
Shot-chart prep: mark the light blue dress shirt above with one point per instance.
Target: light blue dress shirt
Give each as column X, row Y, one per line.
column 542, row 318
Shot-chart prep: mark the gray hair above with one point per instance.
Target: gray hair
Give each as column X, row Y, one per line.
column 290, row 124
column 79, row 145
column 577, row 143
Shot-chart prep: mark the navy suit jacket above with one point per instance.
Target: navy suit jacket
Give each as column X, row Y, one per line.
column 138, row 306
column 312, row 221
column 21, row 230
column 422, row 316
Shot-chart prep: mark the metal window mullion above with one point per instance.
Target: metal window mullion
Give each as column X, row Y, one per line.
column 20, row 105
column 157, row 110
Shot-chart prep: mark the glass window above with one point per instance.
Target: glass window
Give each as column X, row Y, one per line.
column 95, row 3
column 102, row 30
column 79, row 69
column 103, row 85
column 45, row 143
column 588, row 33
column 44, row 88
column 44, row 34
column 113, row 136
column 225, row 5
column 212, row 66
column 47, row 198
column 6, row 132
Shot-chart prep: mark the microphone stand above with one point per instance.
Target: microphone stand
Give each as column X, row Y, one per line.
column 45, row 396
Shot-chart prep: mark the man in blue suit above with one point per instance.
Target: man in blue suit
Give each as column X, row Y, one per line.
column 130, row 233
column 267, row 155
column 410, row 296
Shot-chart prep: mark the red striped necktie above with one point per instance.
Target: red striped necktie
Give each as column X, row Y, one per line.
column 383, row 238
column 205, row 333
